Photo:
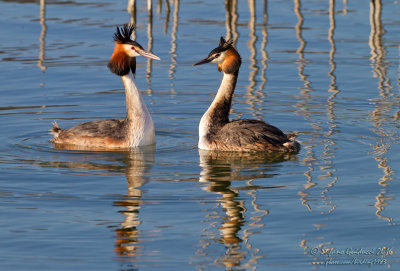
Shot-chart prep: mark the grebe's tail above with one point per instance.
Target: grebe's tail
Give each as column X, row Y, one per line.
column 55, row 130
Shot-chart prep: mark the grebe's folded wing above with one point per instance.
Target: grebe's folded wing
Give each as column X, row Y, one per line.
column 99, row 128
column 252, row 135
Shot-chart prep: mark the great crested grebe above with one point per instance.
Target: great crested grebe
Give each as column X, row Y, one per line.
column 217, row 132
column 137, row 129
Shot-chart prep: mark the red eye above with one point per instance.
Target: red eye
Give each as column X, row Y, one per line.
column 217, row 55
column 133, row 48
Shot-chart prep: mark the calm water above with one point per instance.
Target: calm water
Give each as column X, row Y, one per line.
column 326, row 70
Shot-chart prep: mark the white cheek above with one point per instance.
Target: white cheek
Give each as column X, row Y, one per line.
column 219, row 59
column 130, row 51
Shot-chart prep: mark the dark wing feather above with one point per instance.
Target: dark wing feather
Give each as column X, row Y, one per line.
column 250, row 135
column 101, row 128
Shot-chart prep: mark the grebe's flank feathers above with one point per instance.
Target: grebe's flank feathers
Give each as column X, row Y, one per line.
column 251, row 135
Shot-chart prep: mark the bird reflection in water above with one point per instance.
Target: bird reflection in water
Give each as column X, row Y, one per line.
column 238, row 204
column 127, row 238
column 135, row 165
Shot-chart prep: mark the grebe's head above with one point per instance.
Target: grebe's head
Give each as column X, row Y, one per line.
column 125, row 52
column 227, row 58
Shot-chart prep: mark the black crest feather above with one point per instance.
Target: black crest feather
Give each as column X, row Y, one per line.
column 120, row 63
column 123, row 34
column 223, row 46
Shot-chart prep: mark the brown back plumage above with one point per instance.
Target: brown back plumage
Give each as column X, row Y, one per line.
column 251, row 135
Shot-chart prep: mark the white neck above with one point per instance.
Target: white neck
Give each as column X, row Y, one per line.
column 218, row 112
column 138, row 118
column 225, row 90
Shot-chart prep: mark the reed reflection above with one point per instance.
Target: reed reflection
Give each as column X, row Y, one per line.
column 344, row 11
column 386, row 104
column 231, row 17
column 241, row 214
column 172, row 52
column 331, row 37
column 264, row 52
column 167, row 12
column 304, row 106
column 303, row 61
column 330, row 143
column 150, row 43
column 132, row 10
column 324, row 164
column 252, row 44
column 328, row 170
column 42, row 39
column 131, row 7
column 254, row 98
